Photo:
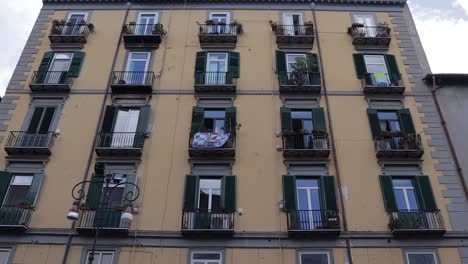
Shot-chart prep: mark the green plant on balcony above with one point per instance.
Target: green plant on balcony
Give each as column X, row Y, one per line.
column 158, row 30
column 309, row 28
column 279, row 30
column 300, row 71
column 408, row 142
column 238, row 25
column 394, row 223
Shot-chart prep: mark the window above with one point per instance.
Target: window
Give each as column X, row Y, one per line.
column 60, row 64
column 214, row 121
column 217, row 66
column 125, row 127
column 41, row 120
column 377, row 69
column 116, row 195
column 314, row 258
column 405, row 194
column 308, row 203
column 101, row 257
column 308, row 126
column 209, row 194
column 18, row 190
column 292, row 23
column 221, row 21
column 395, row 124
column 146, row 22
column 368, row 21
column 137, row 67
column 291, row 60
column 4, row 255
column 421, row 258
column 389, row 121
column 206, row 257
column 74, row 19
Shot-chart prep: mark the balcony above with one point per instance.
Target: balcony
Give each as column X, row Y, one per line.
column 210, row 148
column 312, row 223
column 34, row 144
column 126, row 82
column 299, row 83
column 218, row 35
column 15, row 218
column 416, row 223
column 294, row 36
column 51, row 81
column 382, row 83
column 398, row 145
column 142, row 35
column 120, row 144
column 215, row 82
column 305, row 145
column 365, row 37
column 200, row 221
column 106, row 219
column 69, row 34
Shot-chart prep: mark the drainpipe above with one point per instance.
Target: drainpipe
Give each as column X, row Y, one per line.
column 101, row 117
column 449, row 139
column 332, row 140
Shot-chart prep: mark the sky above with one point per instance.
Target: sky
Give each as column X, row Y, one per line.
column 442, row 27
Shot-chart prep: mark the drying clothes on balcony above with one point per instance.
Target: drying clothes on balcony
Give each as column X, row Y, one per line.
column 209, row 140
column 381, row 79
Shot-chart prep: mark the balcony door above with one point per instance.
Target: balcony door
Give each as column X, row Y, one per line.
column 405, row 195
column 37, row 130
column 290, row 62
column 308, row 204
column 214, row 121
column 125, row 127
column 209, row 205
column 292, row 24
column 377, row 69
column 146, row 22
column 216, row 65
column 137, row 67
column 59, row 68
column 369, row 24
column 302, row 125
column 73, row 21
column 218, row 18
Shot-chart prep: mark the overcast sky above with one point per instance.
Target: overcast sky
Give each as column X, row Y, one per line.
column 442, row 26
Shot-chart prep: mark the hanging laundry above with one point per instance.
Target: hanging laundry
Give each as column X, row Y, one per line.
column 209, row 140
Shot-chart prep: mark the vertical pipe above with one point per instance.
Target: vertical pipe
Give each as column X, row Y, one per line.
column 332, row 139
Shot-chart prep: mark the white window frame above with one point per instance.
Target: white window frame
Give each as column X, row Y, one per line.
column 384, row 63
column 220, row 261
column 301, row 17
column 77, row 13
column 288, row 68
column 405, row 193
column 434, row 255
column 228, row 16
column 129, row 59
column 363, row 16
column 156, row 16
column 11, row 183
column 324, row 252
column 8, row 250
column 100, row 252
column 210, row 194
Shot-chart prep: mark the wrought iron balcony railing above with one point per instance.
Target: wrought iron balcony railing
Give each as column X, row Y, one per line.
column 143, row 29
column 313, row 220
column 228, row 149
column 207, row 220
column 52, row 81
column 304, row 143
column 382, row 83
column 132, row 81
column 398, row 145
column 23, row 142
column 294, row 30
column 12, row 216
column 299, row 82
column 70, row 29
column 219, row 29
column 378, row 36
column 294, row 36
column 223, row 82
column 106, row 218
column 143, row 35
column 120, row 143
column 416, row 221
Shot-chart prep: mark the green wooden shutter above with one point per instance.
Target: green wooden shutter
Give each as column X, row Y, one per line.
column 406, row 121
column 129, row 188
column 425, row 193
column 200, row 62
column 234, row 64
column 286, row 122
column 392, row 67
column 230, row 121
column 281, row 67
column 142, row 126
column 360, row 65
column 328, row 192
column 35, row 119
column 289, row 192
column 190, row 192
column 388, row 194
column 198, row 114
column 373, row 121
column 228, row 197
column 109, row 117
column 5, row 179
column 95, row 187
column 312, row 62
column 318, row 117
column 47, row 120
column 76, row 64
column 34, row 189
column 45, row 63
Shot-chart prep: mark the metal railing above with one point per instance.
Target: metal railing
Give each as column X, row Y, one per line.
column 24, row 139
column 382, row 79
column 121, row 140
column 230, row 143
column 294, row 30
column 69, row 29
column 305, row 140
column 415, row 219
column 207, row 219
column 299, row 78
column 103, row 217
column 308, row 220
column 398, row 142
column 133, row 78
column 12, row 215
column 52, row 78
column 143, row 29
column 369, row 32
column 215, row 78
column 219, row 29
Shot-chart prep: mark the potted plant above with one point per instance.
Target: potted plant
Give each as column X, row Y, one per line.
column 158, row 29
column 309, row 28
column 394, row 223
column 275, row 27
column 25, row 204
column 237, row 25
column 209, row 22
column 301, row 69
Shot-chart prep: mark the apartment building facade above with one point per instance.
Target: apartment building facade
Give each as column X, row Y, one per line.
column 232, row 132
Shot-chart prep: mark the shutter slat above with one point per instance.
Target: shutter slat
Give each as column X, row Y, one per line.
column 229, row 193
column 388, row 194
column 230, row 122
column 34, row 189
column 109, row 117
column 406, row 121
column 35, row 119
column 393, row 69
column 198, row 115
column 289, row 193
column 200, row 62
column 5, row 179
column 286, row 123
column 425, row 193
column 328, row 192
column 190, row 192
column 76, row 64
column 312, row 62
column 281, row 67
column 372, row 114
column 234, row 64
column 318, row 117
column 360, row 65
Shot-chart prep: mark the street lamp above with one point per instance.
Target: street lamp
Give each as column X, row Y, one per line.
column 79, row 194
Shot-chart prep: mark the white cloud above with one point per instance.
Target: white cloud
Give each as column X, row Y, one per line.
column 463, row 4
